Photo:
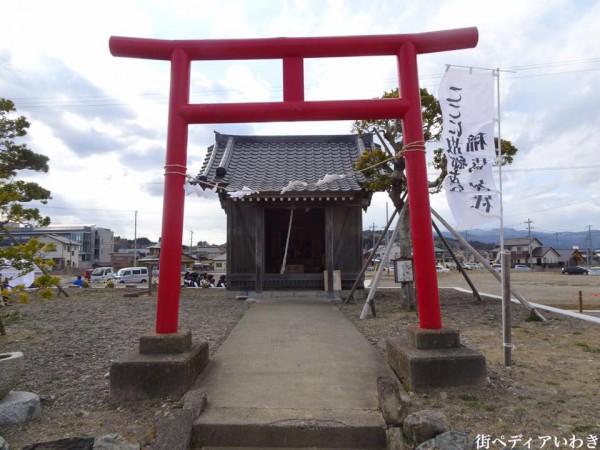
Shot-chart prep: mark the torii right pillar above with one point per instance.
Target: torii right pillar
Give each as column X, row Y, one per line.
column 430, row 355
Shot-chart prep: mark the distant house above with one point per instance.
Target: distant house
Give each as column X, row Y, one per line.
column 127, row 257
column 152, row 259
column 66, row 253
column 545, row 257
column 467, row 256
column 220, row 263
column 530, row 251
column 208, row 251
column 293, row 224
column 570, row 257
column 441, row 255
column 205, row 256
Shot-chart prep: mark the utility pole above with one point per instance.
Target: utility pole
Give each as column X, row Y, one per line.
column 556, row 235
column 135, row 241
column 590, row 247
column 529, row 222
column 387, row 236
column 386, row 221
column 191, row 240
column 373, row 235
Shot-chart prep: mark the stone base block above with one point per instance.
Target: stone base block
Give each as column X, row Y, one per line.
column 420, row 369
column 424, row 339
column 18, row 407
column 166, row 343
column 140, row 376
column 12, row 365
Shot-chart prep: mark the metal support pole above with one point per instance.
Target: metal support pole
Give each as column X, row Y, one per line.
column 506, row 317
column 460, row 267
column 486, row 264
column 366, row 263
column 377, row 279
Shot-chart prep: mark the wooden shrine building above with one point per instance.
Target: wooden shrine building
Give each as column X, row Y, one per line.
column 289, row 236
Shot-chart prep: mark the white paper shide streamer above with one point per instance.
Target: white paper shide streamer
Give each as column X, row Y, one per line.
column 467, row 102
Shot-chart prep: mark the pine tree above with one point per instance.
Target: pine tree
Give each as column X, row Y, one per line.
column 15, row 195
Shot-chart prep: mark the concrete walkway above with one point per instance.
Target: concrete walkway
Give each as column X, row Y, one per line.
column 293, row 373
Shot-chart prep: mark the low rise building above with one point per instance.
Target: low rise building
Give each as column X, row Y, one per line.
column 65, row 254
column 531, row 252
column 95, row 243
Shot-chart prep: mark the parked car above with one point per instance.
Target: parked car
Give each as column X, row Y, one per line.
column 522, row 268
column 132, row 275
column 472, row 266
column 594, row 271
column 574, row 270
column 443, row 269
column 102, row 274
column 497, row 267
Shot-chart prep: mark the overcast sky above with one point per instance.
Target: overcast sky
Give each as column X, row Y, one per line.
column 102, row 120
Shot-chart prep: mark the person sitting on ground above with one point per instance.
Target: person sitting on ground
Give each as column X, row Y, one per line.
column 78, row 281
column 221, row 282
column 191, row 280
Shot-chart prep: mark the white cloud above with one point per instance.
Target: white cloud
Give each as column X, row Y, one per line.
column 103, row 120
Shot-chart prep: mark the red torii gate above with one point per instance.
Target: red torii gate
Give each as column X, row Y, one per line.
column 293, row 51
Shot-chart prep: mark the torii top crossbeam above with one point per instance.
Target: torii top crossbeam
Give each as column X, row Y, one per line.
column 293, row 51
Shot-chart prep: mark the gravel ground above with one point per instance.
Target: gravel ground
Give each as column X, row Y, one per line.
column 69, row 344
column 551, row 389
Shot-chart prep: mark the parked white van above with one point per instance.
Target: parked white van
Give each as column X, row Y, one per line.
column 132, row 275
column 102, row 274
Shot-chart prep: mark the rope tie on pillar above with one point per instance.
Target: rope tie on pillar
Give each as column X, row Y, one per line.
column 416, row 146
column 171, row 169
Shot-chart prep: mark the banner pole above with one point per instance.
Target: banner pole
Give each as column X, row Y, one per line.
column 499, row 157
column 504, row 255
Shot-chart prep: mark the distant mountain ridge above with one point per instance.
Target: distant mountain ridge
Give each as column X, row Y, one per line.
column 562, row 240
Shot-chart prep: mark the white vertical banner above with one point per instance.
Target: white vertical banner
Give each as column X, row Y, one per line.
column 467, row 102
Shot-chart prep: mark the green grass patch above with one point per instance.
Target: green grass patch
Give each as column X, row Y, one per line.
column 582, row 428
column 473, row 402
column 587, row 348
column 520, row 412
column 11, row 317
column 533, row 318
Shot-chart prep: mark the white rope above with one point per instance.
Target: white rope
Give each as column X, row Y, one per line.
column 287, row 242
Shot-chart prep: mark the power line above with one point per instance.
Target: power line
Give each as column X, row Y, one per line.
column 555, row 64
column 539, row 169
column 124, row 211
column 101, row 101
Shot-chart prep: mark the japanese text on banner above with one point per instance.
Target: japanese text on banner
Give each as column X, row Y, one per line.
column 467, row 103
